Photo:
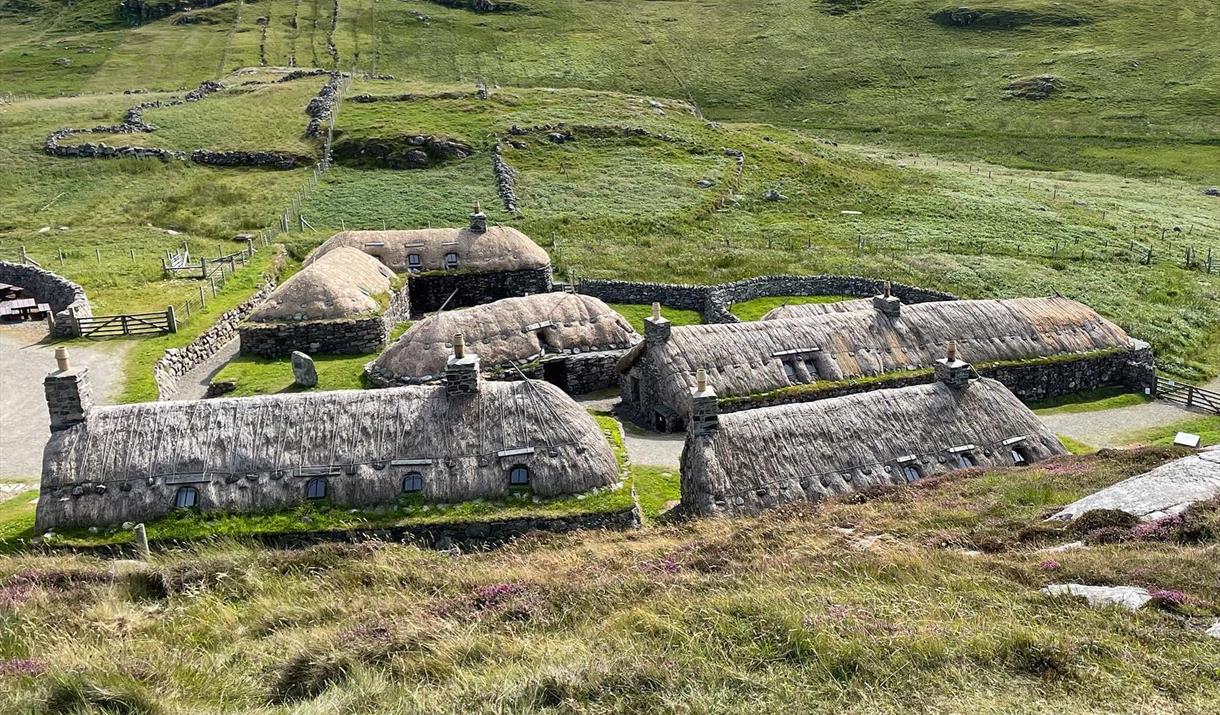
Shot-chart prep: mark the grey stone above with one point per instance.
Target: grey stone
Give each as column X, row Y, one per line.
column 303, row 371
column 773, row 195
column 1214, row 631
column 1129, row 597
column 1164, row 491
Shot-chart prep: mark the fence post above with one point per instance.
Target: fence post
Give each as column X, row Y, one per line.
column 171, row 319
column 202, row 304
column 203, row 268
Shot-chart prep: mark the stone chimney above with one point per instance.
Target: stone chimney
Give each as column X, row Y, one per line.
column 69, row 396
column 478, row 219
column 952, row 371
column 704, row 414
column 656, row 328
column 887, row 303
column 462, row 370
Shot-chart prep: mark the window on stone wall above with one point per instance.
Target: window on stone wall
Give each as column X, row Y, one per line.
column 413, row 482
column 519, row 476
column 1019, row 456
column 186, row 498
column 451, row 261
column 790, row 371
column 910, row 471
column 315, row 488
column 414, row 262
column 965, row 460
column 811, row 367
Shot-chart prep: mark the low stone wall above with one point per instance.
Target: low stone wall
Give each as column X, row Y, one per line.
column 321, row 107
column 67, row 299
column 467, row 536
column 348, row 336
column 1132, row 370
column 713, row 302
column 506, row 178
column 177, row 362
column 430, row 291
column 576, row 374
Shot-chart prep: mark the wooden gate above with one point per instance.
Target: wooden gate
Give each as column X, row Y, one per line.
column 111, row 326
column 1195, row 398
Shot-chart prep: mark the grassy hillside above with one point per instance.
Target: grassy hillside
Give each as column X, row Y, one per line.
column 1138, row 80
column 917, row 598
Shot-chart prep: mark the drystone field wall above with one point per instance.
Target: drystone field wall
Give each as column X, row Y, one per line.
column 430, row 291
column 506, row 178
column 178, row 362
column 67, row 299
column 322, row 107
column 134, row 123
column 1132, row 370
column 349, row 336
column 714, row 302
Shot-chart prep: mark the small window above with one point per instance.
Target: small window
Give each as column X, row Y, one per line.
column 186, row 498
column 315, row 488
column 790, row 372
column 1018, row 456
column 519, row 476
column 413, row 482
column 965, row 460
column 911, row 471
column 812, row 368
column 451, row 261
column 414, row 262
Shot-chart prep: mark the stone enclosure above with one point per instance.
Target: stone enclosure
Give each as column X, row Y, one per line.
column 67, row 299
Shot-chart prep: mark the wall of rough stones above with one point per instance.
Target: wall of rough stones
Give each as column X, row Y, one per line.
column 321, row 107
column 67, row 299
column 506, row 178
column 713, row 302
column 1130, row 369
column 350, row 336
column 580, row 373
column 177, row 362
column 429, row 291
column 134, row 123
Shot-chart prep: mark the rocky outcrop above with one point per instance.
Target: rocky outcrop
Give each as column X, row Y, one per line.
column 1129, row 597
column 1163, row 492
column 412, row 151
column 1038, row 87
column 481, row 6
column 1004, row 19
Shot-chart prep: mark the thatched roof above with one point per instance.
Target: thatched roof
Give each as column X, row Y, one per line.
column 500, row 248
column 509, row 330
column 1167, row 490
column 741, row 357
column 343, row 284
column 263, row 442
column 805, row 310
column 812, row 450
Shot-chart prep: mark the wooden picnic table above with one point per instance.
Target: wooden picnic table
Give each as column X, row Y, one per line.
column 24, row 309
column 8, row 292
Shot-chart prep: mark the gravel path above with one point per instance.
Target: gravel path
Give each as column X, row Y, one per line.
column 24, row 362
column 1113, row 428
column 194, row 384
column 646, row 448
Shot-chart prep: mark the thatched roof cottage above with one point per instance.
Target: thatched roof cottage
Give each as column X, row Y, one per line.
column 345, row 302
column 455, row 267
column 573, row 341
column 1039, row 347
column 744, row 462
column 464, row 439
column 805, row 310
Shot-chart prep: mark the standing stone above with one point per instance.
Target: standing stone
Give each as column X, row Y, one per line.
column 303, row 370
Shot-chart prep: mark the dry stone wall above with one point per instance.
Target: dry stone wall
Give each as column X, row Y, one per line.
column 429, row 291
column 67, row 299
column 714, row 302
column 348, row 336
column 177, row 362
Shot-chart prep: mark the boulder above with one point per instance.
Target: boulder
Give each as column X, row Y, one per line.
column 1214, row 631
column 1167, row 490
column 303, row 370
column 773, row 195
column 1129, row 597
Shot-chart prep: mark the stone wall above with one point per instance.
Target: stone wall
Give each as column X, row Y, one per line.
column 67, row 299
column 1132, row 370
column 321, row 107
column 713, row 302
column 575, row 374
column 352, row 336
column 429, row 291
column 177, row 362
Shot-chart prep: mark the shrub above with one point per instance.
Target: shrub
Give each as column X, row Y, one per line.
column 1095, row 519
column 77, row 693
column 307, row 674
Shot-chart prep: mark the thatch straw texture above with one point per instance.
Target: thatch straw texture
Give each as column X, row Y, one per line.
column 805, row 310
column 741, row 357
column 500, row 248
column 812, row 450
column 562, row 323
column 253, row 453
column 344, row 284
